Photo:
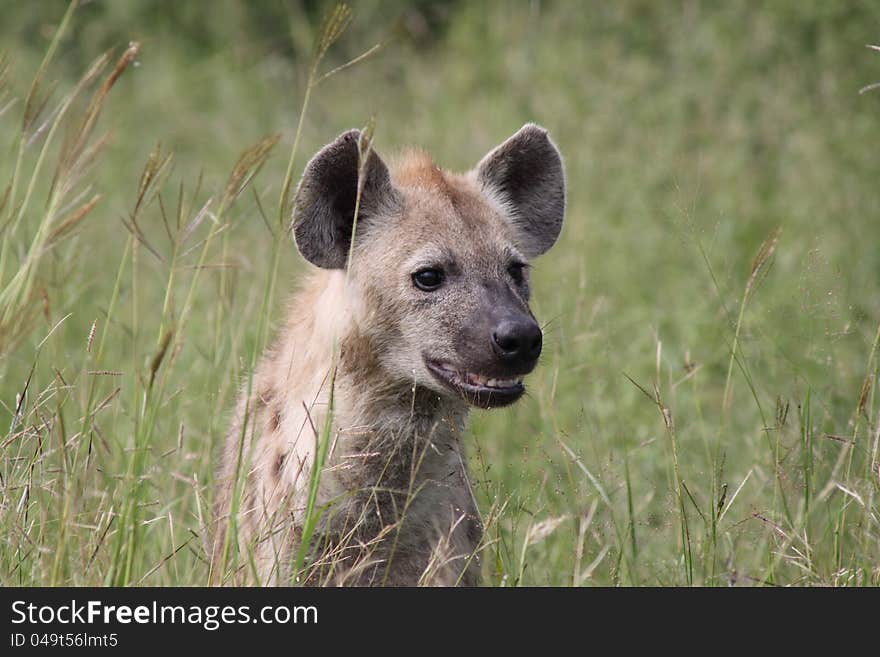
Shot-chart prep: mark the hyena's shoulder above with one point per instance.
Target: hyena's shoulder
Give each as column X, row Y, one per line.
column 266, row 456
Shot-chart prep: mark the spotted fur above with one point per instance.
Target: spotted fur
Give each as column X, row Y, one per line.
column 397, row 505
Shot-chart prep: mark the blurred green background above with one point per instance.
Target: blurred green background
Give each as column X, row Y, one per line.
column 691, row 132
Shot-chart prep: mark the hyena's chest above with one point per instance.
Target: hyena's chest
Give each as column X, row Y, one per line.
column 400, row 511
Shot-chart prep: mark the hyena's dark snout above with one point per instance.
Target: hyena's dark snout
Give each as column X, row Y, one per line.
column 517, row 342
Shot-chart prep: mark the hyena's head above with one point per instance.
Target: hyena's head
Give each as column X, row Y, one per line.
column 439, row 270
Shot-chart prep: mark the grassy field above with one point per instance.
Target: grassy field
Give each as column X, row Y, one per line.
column 706, row 411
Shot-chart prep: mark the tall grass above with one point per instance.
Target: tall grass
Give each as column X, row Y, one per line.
column 719, row 253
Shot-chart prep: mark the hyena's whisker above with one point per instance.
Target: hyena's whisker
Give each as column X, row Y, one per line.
column 350, row 469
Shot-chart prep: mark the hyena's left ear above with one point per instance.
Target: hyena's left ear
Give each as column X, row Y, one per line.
column 525, row 174
column 323, row 210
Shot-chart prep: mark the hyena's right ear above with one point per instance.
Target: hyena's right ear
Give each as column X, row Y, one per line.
column 323, row 210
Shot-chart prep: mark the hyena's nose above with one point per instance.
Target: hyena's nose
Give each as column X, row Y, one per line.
column 517, row 341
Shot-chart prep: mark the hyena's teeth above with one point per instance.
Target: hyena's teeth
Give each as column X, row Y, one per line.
column 478, row 380
column 502, row 383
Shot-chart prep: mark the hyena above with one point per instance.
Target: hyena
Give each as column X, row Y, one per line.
column 416, row 311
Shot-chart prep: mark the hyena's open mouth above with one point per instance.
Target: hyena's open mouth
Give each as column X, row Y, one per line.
column 477, row 389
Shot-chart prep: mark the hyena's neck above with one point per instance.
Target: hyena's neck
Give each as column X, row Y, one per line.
column 377, row 410
column 398, row 471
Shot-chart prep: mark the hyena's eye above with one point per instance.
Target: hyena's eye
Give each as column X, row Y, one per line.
column 515, row 269
column 428, row 279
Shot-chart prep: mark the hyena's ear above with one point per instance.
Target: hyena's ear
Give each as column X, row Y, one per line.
column 323, row 210
column 525, row 174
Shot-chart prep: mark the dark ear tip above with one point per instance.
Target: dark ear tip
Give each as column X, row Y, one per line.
column 537, row 136
column 534, row 133
column 541, row 135
column 341, row 147
column 342, row 142
column 534, row 129
column 349, row 135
